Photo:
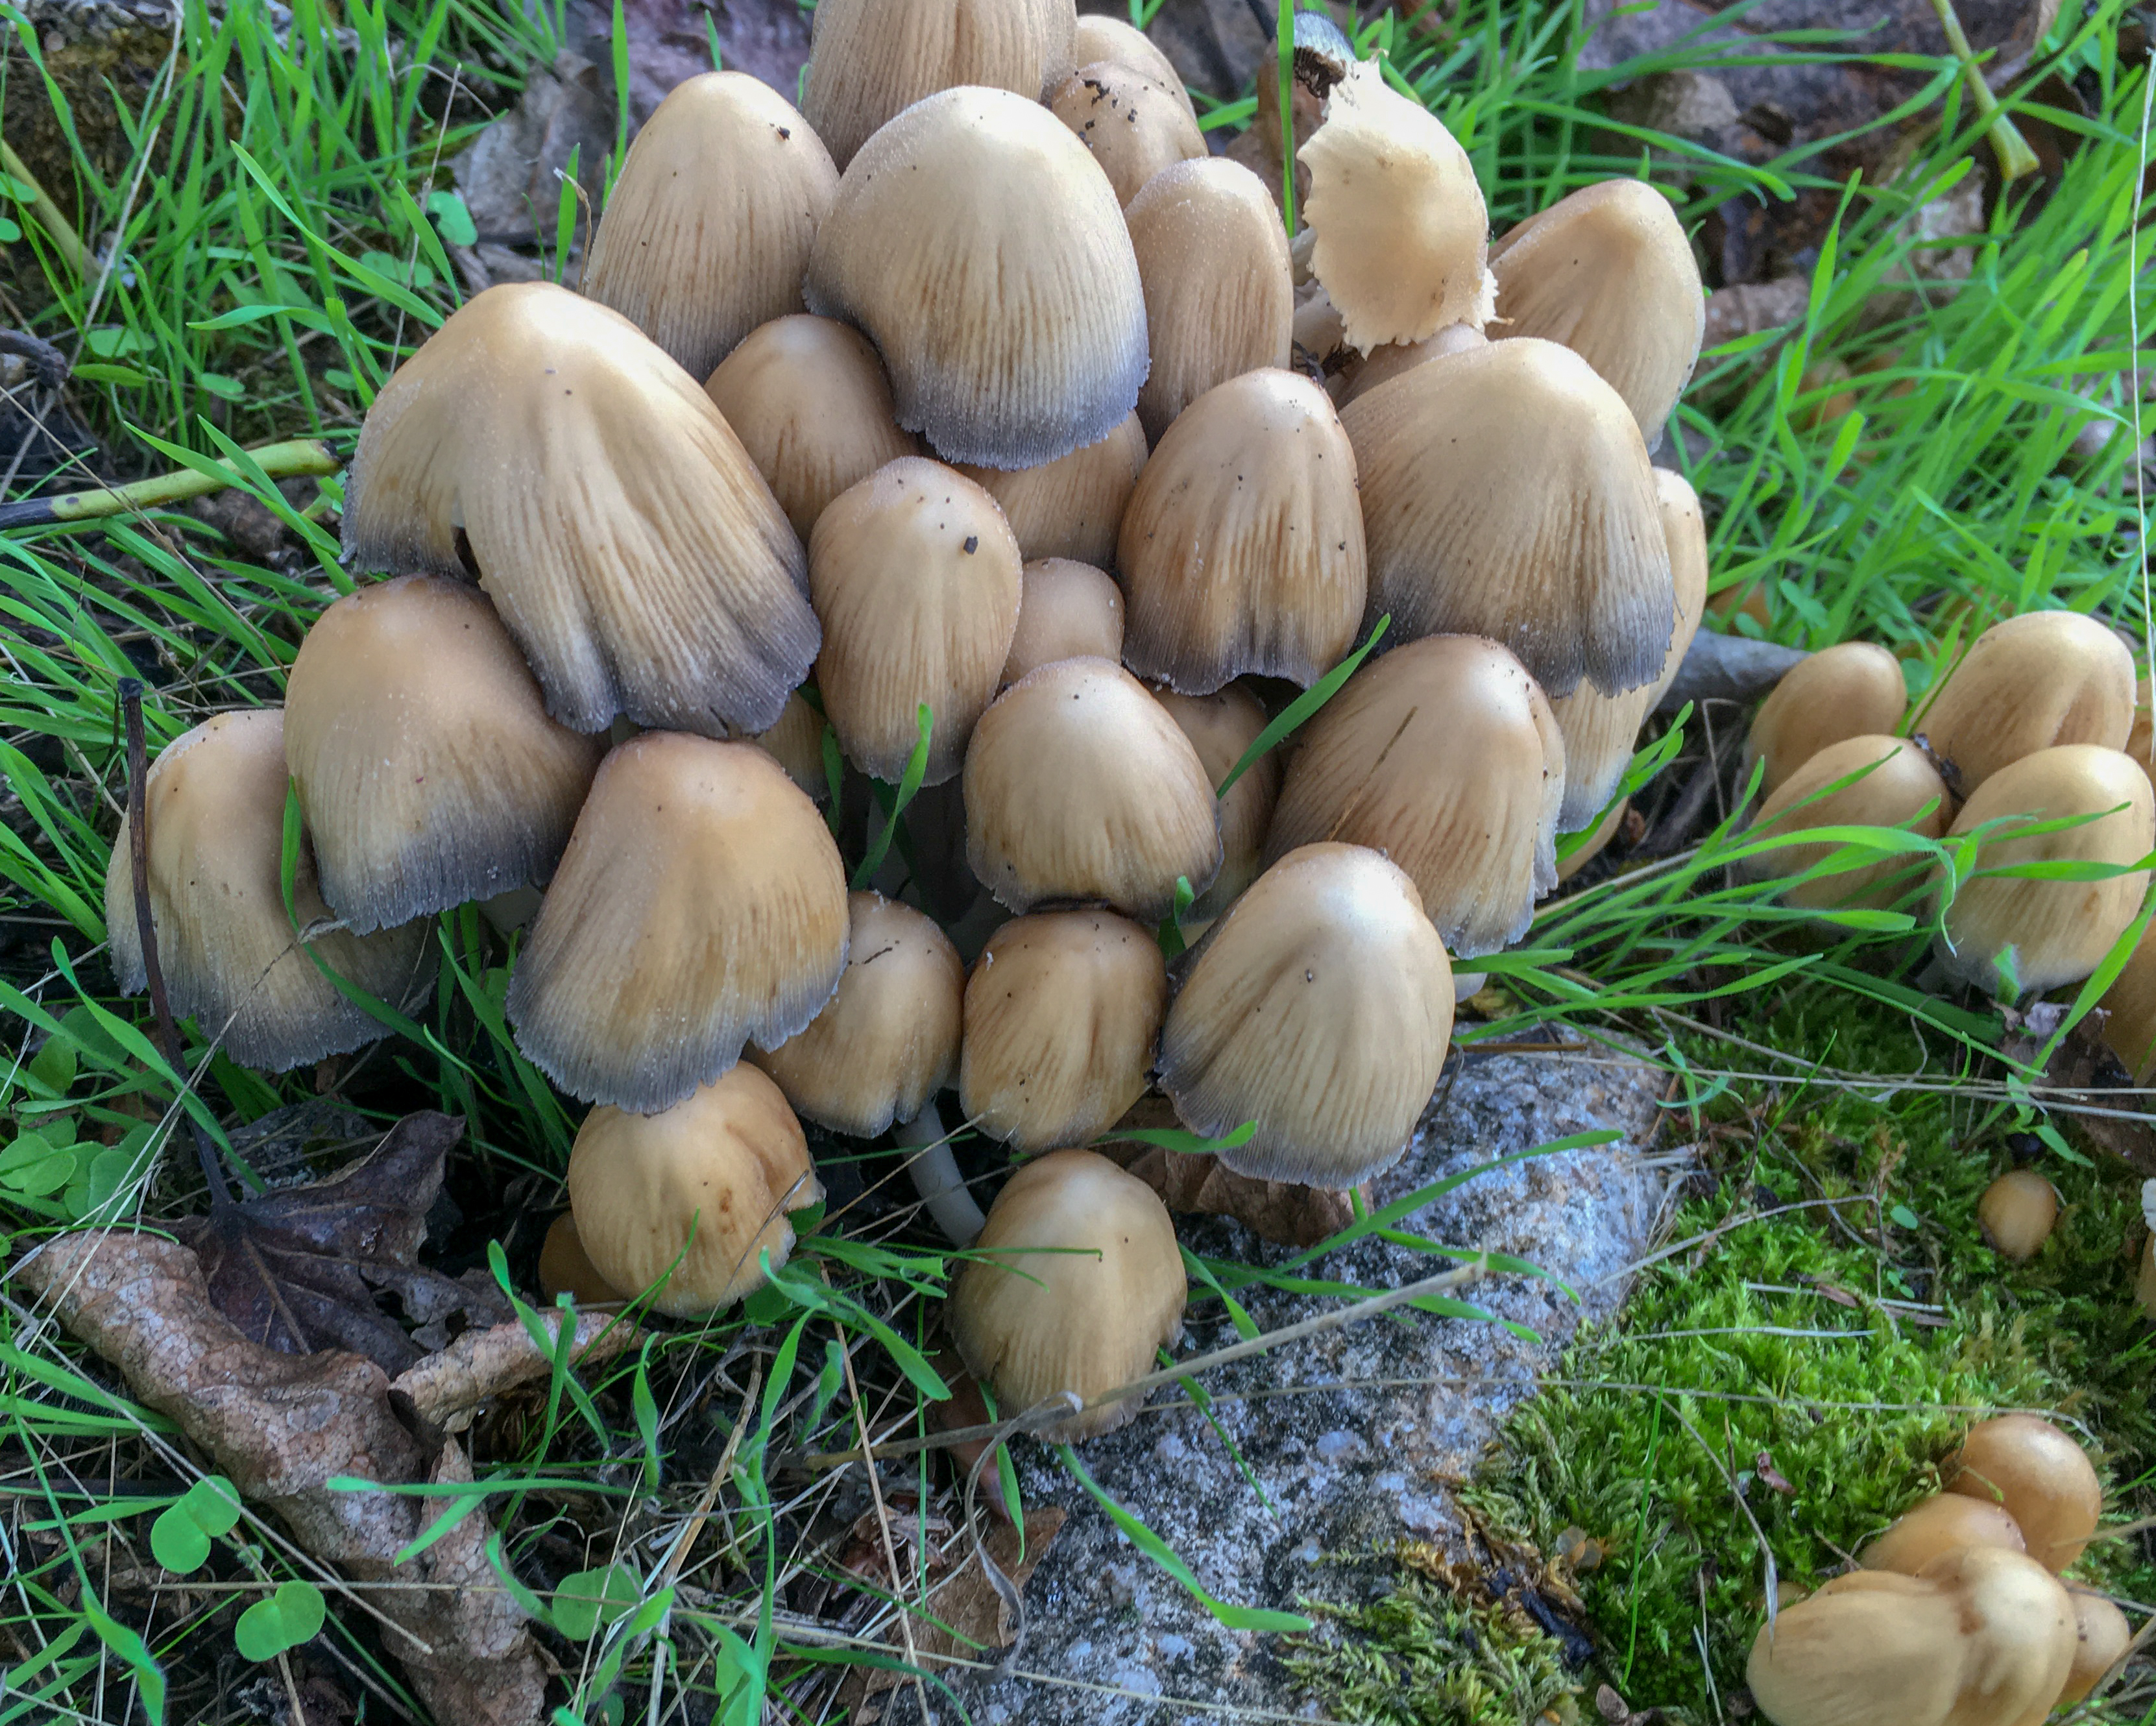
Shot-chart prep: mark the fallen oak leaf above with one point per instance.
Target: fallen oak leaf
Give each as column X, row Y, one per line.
column 447, row 1386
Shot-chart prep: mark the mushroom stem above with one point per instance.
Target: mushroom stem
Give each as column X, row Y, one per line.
column 934, row 1172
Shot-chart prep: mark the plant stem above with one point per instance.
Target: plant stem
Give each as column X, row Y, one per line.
column 279, row 461
column 65, row 241
column 1284, row 43
column 2016, row 158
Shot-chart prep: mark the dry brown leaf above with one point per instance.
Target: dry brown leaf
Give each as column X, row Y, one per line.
column 447, row 1386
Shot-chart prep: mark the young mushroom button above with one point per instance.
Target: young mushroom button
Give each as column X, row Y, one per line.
column 1853, row 689
column 2032, row 682
column 2039, row 1476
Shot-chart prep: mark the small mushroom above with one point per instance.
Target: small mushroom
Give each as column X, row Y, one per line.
column 1101, row 36
column 1135, row 125
column 1221, row 727
column 796, row 743
column 1945, row 1521
column 1570, row 863
column 1853, row 689
column 2039, row 1476
column 2129, row 1012
column 1899, row 788
column 565, row 1268
column 1068, row 610
column 1383, row 364
column 1070, row 507
column 2102, row 1637
column 2031, row 683
column 2016, row 1213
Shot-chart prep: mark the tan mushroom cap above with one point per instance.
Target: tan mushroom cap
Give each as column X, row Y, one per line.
column 700, row 904
column 1079, row 786
column 981, row 248
column 566, row 1268
column 1101, row 37
column 426, row 766
column 2017, row 1212
column 1070, row 507
column 1899, row 788
column 708, row 1182
column 1945, row 1521
column 1063, row 1010
column 808, row 399
column 2141, row 738
column 2019, row 1620
column 1077, row 1282
column 1320, row 1007
column 673, row 591
column 1069, row 610
column 1506, row 493
column 888, row 1040
column 707, row 231
column 2129, row 1005
column 915, row 576
column 1684, row 532
column 215, row 804
column 2102, row 1637
column 1444, row 756
column 796, row 743
column 1853, row 689
column 1570, row 863
column 1385, row 363
column 2031, row 683
column 1134, row 125
column 1221, row 727
column 2039, row 1476
column 1241, row 549
column 2050, row 932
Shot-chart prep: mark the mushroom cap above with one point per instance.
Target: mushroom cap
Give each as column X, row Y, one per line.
column 915, row 576
column 1069, row 610
column 2102, row 1637
column 1079, row 785
column 888, row 1040
column 2039, row 1476
column 612, row 516
column 1444, row 756
column 1134, row 125
column 1684, row 532
column 2129, row 1004
column 707, row 231
column 426, row 766
column 2141, row 736
column 566, row 1268
column 796, row 743
column 871, row 60
column 700, row 903
column 1597, row 842
column 1609, row 272
column 1221, row 727
column 1383, row 364
column 1070, row 507
column 981, row 248
column 2052, row 932
column 708, row 1182
column 2017, row 1212
column 1401, row 235
column 2020, row 1629
column 1320, row 1007
column 1506, row 493
column 215, row 801
column 2030, row 682
column 1900, row 788
column 1101, row 37
column 1063, row 1010
column 1077, row 1282
column 1945, row 1521
column 808, row 399
column 1854, row 689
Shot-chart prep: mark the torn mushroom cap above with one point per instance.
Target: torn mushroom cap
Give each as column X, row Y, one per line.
column 1853, row 689
column 982, row 250
column 1320, row 1008
column 425, row 764
column 1102, row 38
column 2033, row 682
column 1134, row 125
column 1241, row 549
column 1899, row 788
column 1079, row 786
column 673, row 591
column 1069, row 610
column 215, row 804
column 915, row 576
column 888, row 1040
column 700, row 903
column 2017, row 1212
column 1401, row 235
column 796, row 743
column 1070, row 507
column 1385, row 364
column 808, row 399
column 1062, row 1012
column 707, row 229
column 1945, row 1521
column 566, row 1268
column 1221, row 727
column 702, row 1188
column 1506, row 493
column 2046, row 933
column 1076, row 1284
column 1444, row 756
column 2039, row 1476
column 2102, row 1637
column 1609, row 272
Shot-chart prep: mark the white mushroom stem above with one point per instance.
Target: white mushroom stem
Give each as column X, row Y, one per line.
column 935, row 1173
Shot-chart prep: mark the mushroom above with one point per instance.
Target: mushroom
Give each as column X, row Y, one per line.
column 1221, row 727
column 708, row 225
column 808, row 399
column 2128, row 1026
column 1898, row 788
column 1063, row 1009
column 565, row 1268
column 2016, row 1213
column 214, row 802
column 796, row 743
column 1945, row 1521
column 1383, row 364
column 982, row 250
column 419, row 747
column 1068, row 610
column 1853, row 689
column 1570, row 863
column 2103, row 1638
column 1506, row 493
column 1101, row 36
column 691, row 1199
column 1135, row 125
column 1076, row 1284
column 1078, row 785
column 539, row 440
column 1070, row 507
column 700, row 904
column 2031, row 683
column 2038, row 1475
column 1444, row 756
column 915, row 576
column 1319, row 1009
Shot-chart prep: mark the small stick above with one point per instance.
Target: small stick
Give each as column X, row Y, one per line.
column 2016, row 158
column 65, row 241
column 279, row 461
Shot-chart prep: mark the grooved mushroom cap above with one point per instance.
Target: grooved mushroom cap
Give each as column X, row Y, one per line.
column 1385, row 364
column 1062, row 1012
column 2129, row 1027
column 1070, row 610
column 1506, row 493
column 1320, row 1007
column 612, row 516
column 1077, row 1284
column 1609, row 272
column 425, row 763
column 1071, row 507
column 1221, row 727
column 1684, row 532
column 1444, row 756
column 2031, row 683
column 888, row 1040
column 215, row 800
column 982, row 250
column 2050, row 932
column 1853, row 689
column 2017, row 1212
column 915, row 576
column 808, row 399
column 2039, row 1476
column 871, row 60
column 1219, row 291
column 1899, row 788
column 2102, row 1637
column 1134, row 125
column 1945, row 1521
column 796, row 743
column 1102, row 38
column 707, row 230
column 1241, row 549
column 700, row 903
column 709, row 1181
column 1079, row 786
column 1401, row 238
